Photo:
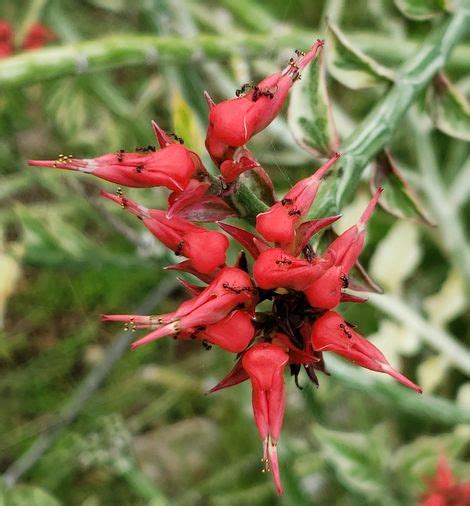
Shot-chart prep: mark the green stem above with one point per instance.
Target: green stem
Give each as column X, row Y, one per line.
column 426, row 407
column 375, row 132
column 123, row 50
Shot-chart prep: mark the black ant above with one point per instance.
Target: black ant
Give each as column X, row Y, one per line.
column 257, row 93
column 238, row 291
column 176, row 138
column 146, row 149
column 179, row 248
column 284, row 261
column 294, row 212
column 139, row 168
column 345, row 280
column 244, row 89
column 346, row 330
column 286, row 202
column 119, row 155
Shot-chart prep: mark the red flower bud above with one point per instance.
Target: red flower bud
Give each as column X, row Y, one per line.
column 278, row 224
column 6, row 39
column 443, row 489
column 205, row 248
column 265, row 365
column 233, row 122
column 331, row 333
column 37, row 36
column 172, row 167
column 275, row 269
column 326, row 292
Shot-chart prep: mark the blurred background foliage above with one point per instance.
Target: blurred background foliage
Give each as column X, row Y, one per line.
column 112, row 427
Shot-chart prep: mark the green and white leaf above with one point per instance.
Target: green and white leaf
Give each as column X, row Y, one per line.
column 421, row 9
column 399, row 199
column 185, row 123
column 388, row 265
column 448, row 302
column 449, row 109
column 309, row 117
column 358, row 459
column 350, row 66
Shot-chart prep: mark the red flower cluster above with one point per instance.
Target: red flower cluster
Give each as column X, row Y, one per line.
column 444, row 490
column 303, row 288
column 36, row 37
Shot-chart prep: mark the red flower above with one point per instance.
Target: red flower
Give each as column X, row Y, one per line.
column 278, row 224
column 171, row 166
column 37, row 36
column 331, row 333
column 345, row 250
column 233, row 122
column 276, row 269
column 230, row 290
column 6, row 39
column 205, row 248
column 265, row 365
column 444, row 491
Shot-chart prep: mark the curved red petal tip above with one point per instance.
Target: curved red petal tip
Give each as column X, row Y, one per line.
column 209, row 100
column 370, row 208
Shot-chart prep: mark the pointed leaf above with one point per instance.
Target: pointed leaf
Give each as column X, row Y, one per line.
column 421, row 9
column 398, row 198
column 449, row 109
column 350, row 66
column 309, row 117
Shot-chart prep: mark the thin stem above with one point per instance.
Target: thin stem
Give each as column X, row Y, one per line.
column 451, row 230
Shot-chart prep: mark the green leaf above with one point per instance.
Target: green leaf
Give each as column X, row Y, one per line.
column 185, row 123
column 350, row 66
column 449, row 109
column 309, row 117
column 421, row 9
column 358, row 459
column 398, row 198
column 26, row 495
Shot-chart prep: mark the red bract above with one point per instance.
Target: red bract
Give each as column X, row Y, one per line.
column 444, row 490
column 276, row 269
column 233, row 122
column 205, row 248
column 231, row 289
column 265, row 363
column 345, row 250
column 331, row 333
column 279, row 223
column 172, row 166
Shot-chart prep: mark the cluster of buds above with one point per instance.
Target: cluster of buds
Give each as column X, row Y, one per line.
column 300, row 289
column 36, row 37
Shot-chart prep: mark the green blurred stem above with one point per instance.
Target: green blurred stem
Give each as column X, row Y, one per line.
column 434, row 336
column 426, row 407
column 445, row 212
column 144, row 487
column 118, row 51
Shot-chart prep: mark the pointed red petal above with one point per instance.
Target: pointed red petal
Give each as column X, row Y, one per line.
column 245, row 238
column 234, row 377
